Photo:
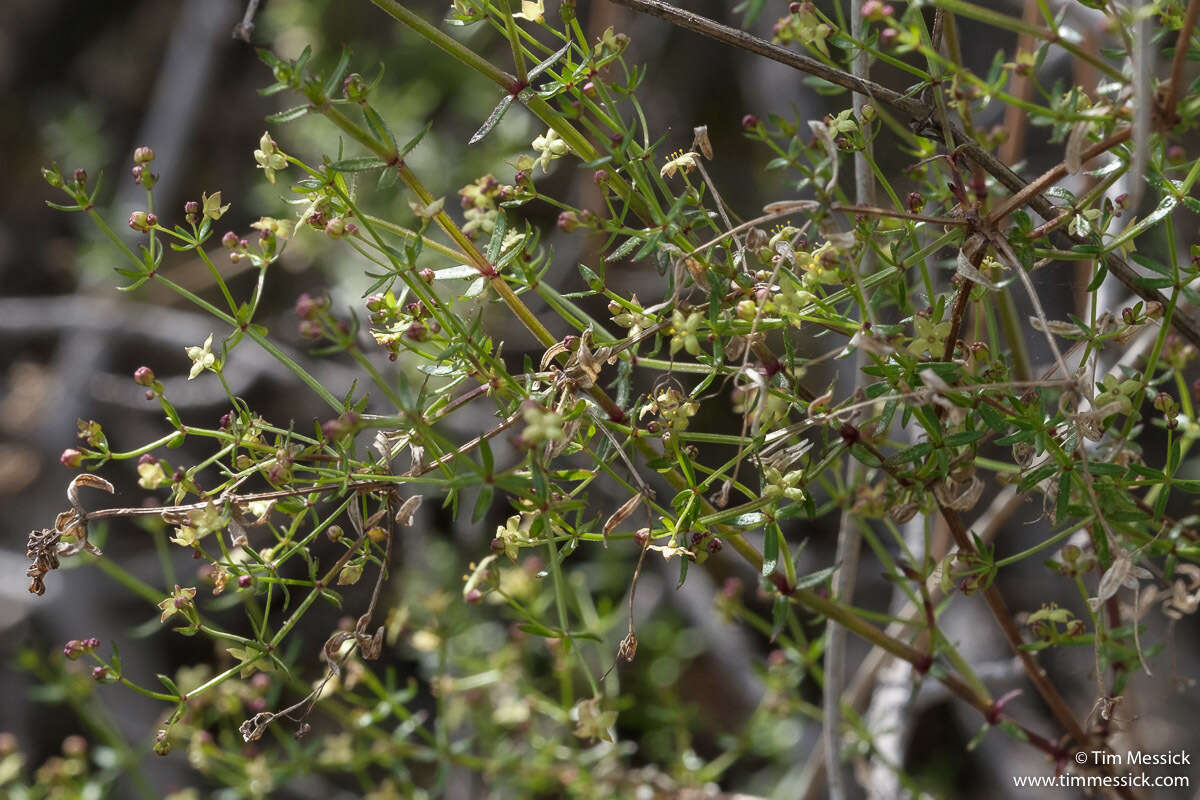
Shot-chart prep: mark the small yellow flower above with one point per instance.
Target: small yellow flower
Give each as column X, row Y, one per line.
column 931, row 336
column 211, row 205
column 201, row 522
column 512, row 536
column 591, row 721
column 549, row 146
column 679, row 161
column 541, row 425
column 270, row 159
column 684, row 332
column 202, row 358
column 178, row 602
column 151, row 475
column 275, row 226
column 532, row 10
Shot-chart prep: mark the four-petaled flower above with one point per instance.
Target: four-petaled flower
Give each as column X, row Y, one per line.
column 679, row 162
column 670, row 550
column 201, row 522
column 178, row 602
column 211, row 205
column 931, row 336
column 549, row 146
column 592, row 721
column 151, row 474
column 541, row 425
column 270, row 159
column 776, row 484
column 532, row 10
column 202, row 358
column 511, row 536
column 683, row 332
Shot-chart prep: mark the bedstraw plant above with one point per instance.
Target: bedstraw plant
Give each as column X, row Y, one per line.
column 876, row 333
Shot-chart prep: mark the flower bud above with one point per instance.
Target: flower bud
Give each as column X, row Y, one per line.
column 308, row 307
column 916, row 202
column 568, row 221
column 71, row 458
column 80, row 176
column 143, row 376
column 142, row 221
column 335, row 228
column 143, row 155
column 230, row 240
column 426, row 275
column 52, row 177
column 244, row 581
column 74, row 746
column 354, row 88
column 749, row 121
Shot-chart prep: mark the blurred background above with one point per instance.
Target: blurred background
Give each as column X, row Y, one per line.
column 85, row 83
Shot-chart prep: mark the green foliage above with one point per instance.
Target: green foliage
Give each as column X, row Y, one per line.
column 618, row 449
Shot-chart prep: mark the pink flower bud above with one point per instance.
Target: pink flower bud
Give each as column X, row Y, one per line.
column 143, row 376
column 142, row 221
column 71, row 458
column 568, row 221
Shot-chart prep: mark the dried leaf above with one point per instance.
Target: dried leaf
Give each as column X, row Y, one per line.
column 701, row 142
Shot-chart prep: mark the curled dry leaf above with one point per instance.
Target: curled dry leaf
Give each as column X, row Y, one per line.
column 1073, row 158
column 408, row 510
column 622, row 513
column 968, row 270
column 825, row 137
column 1123, row 572
column 959, row 495
column 253, row 728
column 1067, row 330
column 701, row 142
